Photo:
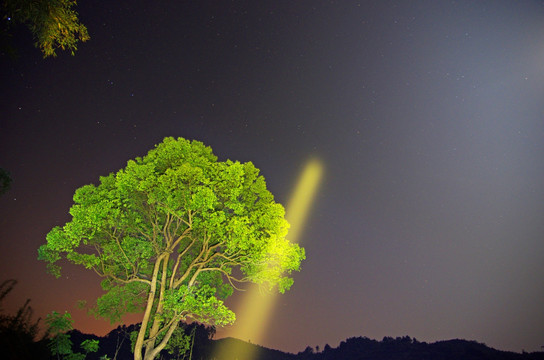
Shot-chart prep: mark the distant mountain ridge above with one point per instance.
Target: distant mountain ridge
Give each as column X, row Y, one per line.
column 405, row 348
column 354, row 348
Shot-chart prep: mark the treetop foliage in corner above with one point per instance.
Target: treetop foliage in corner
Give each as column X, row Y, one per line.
column 54, row 23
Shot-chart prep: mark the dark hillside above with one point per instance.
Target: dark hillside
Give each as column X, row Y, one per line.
column 405, row 348
column 234, row 349
column 117, row 345
column 355, row 348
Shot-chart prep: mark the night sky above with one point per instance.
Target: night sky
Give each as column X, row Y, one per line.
column 427, row 115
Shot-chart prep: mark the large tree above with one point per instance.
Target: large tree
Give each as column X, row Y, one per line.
column 172, row 234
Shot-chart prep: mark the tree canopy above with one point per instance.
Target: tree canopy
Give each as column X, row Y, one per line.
column 172, row 234
column 54, row 24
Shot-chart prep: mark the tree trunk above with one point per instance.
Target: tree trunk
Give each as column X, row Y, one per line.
column 153, row 351
column 147, row 314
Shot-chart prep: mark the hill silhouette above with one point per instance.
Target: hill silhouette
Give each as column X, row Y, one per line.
column 355, row 348
column 406, row 348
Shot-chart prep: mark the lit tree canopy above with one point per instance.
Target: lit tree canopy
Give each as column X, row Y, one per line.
column 172, row 234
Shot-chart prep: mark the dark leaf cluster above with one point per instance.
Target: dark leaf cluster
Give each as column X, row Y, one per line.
column 19, row 331
column 54, row 24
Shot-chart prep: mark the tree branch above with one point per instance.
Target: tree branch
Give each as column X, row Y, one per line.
column 190, row 267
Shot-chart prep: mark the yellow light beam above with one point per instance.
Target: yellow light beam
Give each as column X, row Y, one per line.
column 256, row 307
column 302, row 198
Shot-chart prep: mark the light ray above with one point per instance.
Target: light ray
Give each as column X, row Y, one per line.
column 256, row 307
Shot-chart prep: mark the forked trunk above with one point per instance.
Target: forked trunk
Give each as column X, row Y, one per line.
column 147, row 313
column 153, row 350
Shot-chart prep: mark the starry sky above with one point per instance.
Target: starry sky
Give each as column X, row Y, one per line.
column 427, row 115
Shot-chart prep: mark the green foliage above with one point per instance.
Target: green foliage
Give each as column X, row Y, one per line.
column 173, row 233
column 75, row 356
column 133, row 338
column 53, row 23
column 58, row 324
column 60, row 343
column 180, row 343
column 89, row 345
column 200, row 302
column 5, row 181
column 119, row 300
